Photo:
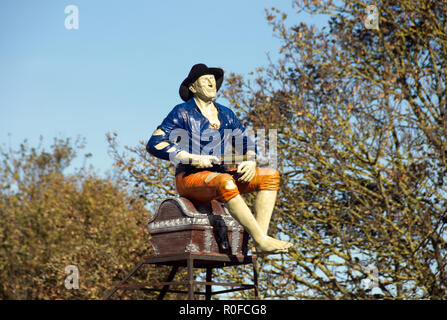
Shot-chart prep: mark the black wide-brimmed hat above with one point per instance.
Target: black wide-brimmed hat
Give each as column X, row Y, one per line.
column 196, row 72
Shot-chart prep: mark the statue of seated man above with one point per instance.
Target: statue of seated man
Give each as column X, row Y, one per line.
column 200, row 174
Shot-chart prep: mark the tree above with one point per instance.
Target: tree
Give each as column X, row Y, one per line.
column 361, row 123
column 50, row 220
column 360, row 116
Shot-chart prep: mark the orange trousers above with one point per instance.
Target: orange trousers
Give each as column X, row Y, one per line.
column 204, row 186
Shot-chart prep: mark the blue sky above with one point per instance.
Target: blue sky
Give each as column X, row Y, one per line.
column 121, row 70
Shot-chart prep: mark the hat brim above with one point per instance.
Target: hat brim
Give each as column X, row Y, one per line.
column 184, row 91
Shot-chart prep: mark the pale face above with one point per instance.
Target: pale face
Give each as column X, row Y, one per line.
column 204, row 87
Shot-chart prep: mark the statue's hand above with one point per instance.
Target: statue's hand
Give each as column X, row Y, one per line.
column 198, row 161
column 248, row 170
column 203, row 161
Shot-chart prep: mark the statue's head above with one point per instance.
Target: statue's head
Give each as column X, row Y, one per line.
column 202, row 82
column 204, row 87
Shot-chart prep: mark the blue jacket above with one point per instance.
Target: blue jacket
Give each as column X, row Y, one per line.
column 186, row 128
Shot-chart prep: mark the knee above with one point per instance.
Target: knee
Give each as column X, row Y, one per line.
column 272, row 172
column 227, row 186
column 270, row 179
column 225, row 181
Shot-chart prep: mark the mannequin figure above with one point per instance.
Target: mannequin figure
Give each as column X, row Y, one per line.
column 203, row 177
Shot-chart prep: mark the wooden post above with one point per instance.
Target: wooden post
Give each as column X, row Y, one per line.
column 190, row 265
column 208, row 292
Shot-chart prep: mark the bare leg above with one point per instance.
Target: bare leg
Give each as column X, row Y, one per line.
column 264, row 204
column 240, row 211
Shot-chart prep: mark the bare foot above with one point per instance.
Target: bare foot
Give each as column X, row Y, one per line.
column 260, row 253
column 272, row 245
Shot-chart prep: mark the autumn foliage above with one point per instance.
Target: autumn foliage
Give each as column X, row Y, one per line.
column 362, row 150
column 361, row 120
column 51, row 219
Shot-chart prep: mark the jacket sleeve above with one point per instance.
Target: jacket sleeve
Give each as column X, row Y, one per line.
column 164, row 145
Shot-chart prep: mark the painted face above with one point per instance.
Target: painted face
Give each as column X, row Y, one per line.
column 204, row 87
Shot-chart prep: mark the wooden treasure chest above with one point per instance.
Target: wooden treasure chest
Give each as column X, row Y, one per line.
column 179, row 226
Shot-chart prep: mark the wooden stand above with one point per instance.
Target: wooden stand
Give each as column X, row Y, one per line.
column 191, row 260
